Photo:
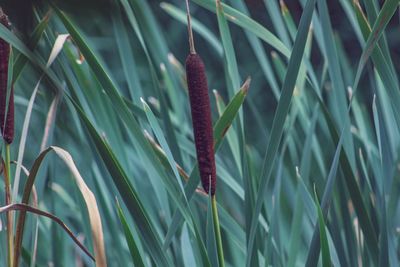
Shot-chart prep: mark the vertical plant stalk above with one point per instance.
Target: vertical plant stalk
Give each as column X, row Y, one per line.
column 7, row 182
column 202, row 129
column 217, row 231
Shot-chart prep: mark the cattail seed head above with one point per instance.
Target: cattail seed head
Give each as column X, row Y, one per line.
column 6, row 116
column 202, row 123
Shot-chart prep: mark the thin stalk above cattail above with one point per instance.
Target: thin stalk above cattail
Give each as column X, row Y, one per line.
column 190, row 31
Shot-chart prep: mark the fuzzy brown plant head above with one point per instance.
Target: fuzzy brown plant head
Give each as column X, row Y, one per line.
column 202, row 123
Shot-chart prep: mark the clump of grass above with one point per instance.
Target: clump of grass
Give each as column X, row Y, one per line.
column 14, row 243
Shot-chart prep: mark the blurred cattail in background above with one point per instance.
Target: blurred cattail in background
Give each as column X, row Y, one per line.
column 6, row 114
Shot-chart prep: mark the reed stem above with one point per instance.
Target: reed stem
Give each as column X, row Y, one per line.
column 7, row 183
column 217, row 232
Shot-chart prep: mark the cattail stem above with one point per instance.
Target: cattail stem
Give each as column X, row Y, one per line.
column 217, row 231
column 7, row 182
column 190, row 31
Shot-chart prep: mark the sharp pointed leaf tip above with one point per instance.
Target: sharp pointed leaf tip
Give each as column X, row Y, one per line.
column 284, row 8
column 246, row 85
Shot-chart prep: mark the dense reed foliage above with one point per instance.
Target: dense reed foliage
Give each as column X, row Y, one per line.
column 104, row 158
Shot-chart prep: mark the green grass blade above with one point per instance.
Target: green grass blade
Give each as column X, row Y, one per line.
column 277, row 20
column 125, row 114
column 128, row 194
column 21, row 60
column 230, row 57
column 335, row 73
column 197, row 26
column 161, row 60
column 136, row 256
column 287, row 17
column 351, row 183
column 127, row 56
column 384, row 16
column 381, row 136
column 326, row 257
column 382, row 65
column 372, row 11
column 295, row 233
column 386, row 13
column 259, row 52
column 248, row 24
column 163, row 142
column 280, row 116
column 210, row 234
column 230, row 135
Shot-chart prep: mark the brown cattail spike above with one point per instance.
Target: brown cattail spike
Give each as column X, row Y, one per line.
column 6, row 115
column 202, row 124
